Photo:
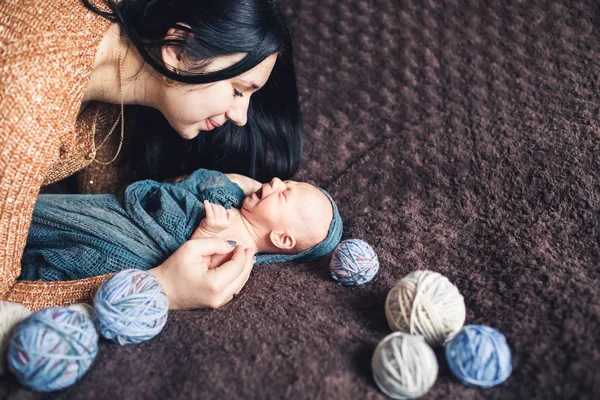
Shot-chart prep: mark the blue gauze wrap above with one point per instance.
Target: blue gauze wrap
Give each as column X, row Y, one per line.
column 80, row 236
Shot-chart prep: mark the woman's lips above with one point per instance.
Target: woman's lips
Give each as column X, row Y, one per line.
column 209, row 125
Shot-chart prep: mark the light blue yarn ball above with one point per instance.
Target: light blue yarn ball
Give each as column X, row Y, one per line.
column 130, row 307
column 479, row 356
column 52, row 349
column 353, row 262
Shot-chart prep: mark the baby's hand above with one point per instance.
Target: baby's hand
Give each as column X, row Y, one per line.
column 217, row 219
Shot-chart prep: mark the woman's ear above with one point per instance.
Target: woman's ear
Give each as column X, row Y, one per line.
column 171, row 53
column 282, row 240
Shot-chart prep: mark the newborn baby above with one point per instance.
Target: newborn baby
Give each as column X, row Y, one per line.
column 78, row 236
column 279, row 217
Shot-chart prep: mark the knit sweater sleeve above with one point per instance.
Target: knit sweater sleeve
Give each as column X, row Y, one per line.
column 39, row 102
column 26, row 154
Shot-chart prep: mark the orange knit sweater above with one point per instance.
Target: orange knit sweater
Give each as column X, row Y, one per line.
column 47, row 51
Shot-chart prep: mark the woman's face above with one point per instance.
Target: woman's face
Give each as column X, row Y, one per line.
column 194, row 108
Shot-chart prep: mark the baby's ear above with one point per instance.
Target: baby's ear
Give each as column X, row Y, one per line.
column 282, row 240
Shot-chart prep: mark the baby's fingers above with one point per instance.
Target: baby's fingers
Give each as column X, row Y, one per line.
column 220, row 211
column 208, row 210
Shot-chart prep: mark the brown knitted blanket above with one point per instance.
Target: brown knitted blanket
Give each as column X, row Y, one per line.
column 478, row 123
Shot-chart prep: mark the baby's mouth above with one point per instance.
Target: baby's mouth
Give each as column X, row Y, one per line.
column 259, row 193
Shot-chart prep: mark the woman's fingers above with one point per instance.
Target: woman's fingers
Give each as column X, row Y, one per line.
column 189, row 283
column 231, row 276
column 209, row 246
column 237, row 285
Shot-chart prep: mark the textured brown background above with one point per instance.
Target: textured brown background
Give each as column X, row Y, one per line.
column 457, row 136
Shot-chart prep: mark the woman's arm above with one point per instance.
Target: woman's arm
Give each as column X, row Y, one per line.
column 247, row 184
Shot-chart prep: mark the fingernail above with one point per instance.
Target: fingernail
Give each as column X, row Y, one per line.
column 254, row 260
column 232, row 243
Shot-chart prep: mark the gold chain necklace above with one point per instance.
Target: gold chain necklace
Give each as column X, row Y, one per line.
column 121, row 118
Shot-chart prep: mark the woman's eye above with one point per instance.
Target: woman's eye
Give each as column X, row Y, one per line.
column 237, row 94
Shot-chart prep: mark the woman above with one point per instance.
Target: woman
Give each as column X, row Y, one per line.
column 68, row 68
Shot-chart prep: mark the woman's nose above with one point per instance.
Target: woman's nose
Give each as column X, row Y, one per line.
column 238, row 113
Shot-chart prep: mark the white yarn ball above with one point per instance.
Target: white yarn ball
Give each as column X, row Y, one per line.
column 425, row 303
column 84, row 309
column 10, row 315
column 404, row 366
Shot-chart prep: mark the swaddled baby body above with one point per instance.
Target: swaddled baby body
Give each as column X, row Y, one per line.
column 78, row 236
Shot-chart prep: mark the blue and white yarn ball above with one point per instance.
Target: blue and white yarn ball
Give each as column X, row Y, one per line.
column 353, row 262
column 52, row 349
column 130, row 307
column 479, row 356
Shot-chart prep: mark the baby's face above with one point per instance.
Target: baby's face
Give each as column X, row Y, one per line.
column 298, row 206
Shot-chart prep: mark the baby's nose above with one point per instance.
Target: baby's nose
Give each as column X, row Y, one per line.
column 276, row 182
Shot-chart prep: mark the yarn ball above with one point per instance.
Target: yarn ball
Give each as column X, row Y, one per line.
column 10, row 315
column 425, row 303
column 479, row 356
column 130, row 307
column 52, row 349
column 353, row 262
column 404, row 366
column 83, row 308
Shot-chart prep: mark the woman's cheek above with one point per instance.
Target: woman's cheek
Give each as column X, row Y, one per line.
column 221, row 99
column 185, row 129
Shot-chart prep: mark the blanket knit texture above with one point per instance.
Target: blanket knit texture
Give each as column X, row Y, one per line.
column 477, row 123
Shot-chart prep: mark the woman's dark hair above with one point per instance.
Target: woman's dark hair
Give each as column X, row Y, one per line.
column 270, row 144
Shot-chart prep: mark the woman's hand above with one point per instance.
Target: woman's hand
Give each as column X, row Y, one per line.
column 188, row 281
column 247, row 184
